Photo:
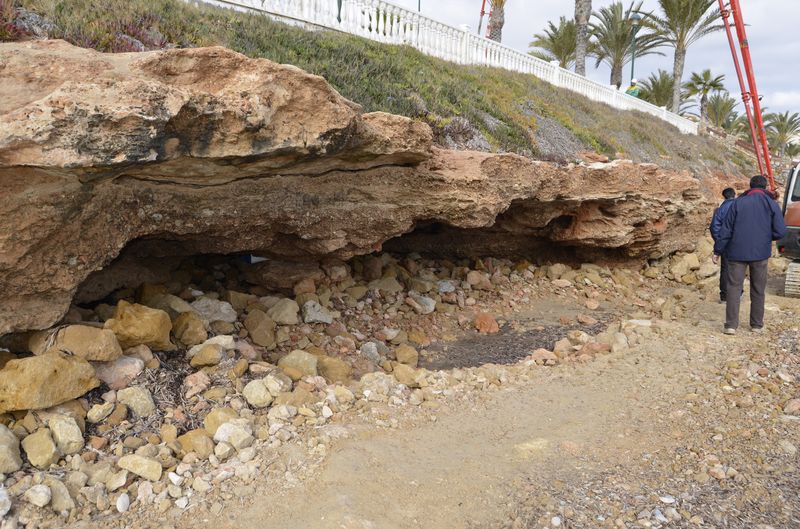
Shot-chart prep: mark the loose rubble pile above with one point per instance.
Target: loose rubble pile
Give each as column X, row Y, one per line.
column 161, row 393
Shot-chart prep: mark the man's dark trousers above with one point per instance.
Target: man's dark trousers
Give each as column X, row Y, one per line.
column 758, row 287
column 723, row 278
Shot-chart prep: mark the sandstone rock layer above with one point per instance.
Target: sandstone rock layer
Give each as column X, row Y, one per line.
column 149, row 157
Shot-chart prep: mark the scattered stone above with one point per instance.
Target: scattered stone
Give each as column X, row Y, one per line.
column 313, row 312
column 40, row 449
column 116, row 480
column 5, row 502
column 196, row 383
column 197, row 441
column 300, row 362
column 120, row 373
column 386, row 285
column 138, row 400
column 217, row 417
column 10, row 459
column 236, row 433
column 89, row 343
column 145, row 467
column 98, row 412
column 66, row 433
column 277, row 383
column 543, row 356
column 261, row 328
column 189, row 329
column 405, row 374
column 123, row 503
column 135, row 324
column 208, row 355
column 407, row 355
column 239, row 300
column 370, row 352
column 792, row 407
column 38, row 495
column 284, row 312
column 486, row 324
column 44, row 381
column 215, row 310
column 60, row 499
column 422, row 304
column 257, row 394
column 334, row 370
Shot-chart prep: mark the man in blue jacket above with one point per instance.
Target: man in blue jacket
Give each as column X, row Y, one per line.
column 745, row 238
column 729, row 194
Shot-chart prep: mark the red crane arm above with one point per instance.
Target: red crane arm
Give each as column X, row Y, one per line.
column 749, row 89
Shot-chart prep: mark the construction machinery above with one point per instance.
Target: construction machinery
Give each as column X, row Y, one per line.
column 789, row 246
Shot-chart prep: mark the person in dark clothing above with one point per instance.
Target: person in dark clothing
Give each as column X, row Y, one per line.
column 729, row 194
column 745, row 240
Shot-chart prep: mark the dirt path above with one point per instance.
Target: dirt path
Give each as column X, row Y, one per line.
column 455, row 471
column 631, row 439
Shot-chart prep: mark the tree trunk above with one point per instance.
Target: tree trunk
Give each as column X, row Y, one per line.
column 677, row 74
column 704, row 107
column 583, row 10
column 616, row 75
column 496, row 23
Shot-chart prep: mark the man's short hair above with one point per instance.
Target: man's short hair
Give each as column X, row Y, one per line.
column 728, row 192
column 758, row 182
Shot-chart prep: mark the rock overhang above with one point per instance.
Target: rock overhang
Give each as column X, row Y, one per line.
column 273, row 162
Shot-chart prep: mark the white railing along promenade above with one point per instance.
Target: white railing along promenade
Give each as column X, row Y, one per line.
column 385, row 22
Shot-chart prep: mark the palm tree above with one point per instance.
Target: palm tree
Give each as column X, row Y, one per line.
column 583, row 11
column 612, row 28
column 556, row 43
column 682, row 23
column 657, row 88
column 721, row 111
column 793, row 150
column 702, row 84
column 782, row 129
column 497, row 20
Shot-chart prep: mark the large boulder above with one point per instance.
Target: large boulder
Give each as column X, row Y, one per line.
column 39, row 382
column 136, row 324
column 90, row 343
column 145, row 158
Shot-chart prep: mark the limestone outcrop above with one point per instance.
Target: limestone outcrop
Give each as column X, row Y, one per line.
column 120, row 159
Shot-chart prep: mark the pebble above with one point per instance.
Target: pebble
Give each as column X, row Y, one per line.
column 5, row 502
column 38, row 495
column 123, row 503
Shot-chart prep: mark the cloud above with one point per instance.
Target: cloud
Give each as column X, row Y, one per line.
column 771, row 34
column 790, row 99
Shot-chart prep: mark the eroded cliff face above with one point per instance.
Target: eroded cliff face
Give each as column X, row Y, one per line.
column 173, row 153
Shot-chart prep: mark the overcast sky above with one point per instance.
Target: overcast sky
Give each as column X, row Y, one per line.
column 772, row 32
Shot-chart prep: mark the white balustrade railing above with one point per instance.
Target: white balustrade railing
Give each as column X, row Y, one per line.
column 385, row 22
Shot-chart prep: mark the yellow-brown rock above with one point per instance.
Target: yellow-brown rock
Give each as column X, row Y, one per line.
column 136, row 324
column 43, row 381
column 90, row 343
column 189, row 329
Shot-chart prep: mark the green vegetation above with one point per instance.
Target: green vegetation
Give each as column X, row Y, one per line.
column 702, row 84
column 556, row 43
column 509, row 109
column 613, row 28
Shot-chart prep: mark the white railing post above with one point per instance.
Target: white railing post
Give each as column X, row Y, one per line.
column 556, row 79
